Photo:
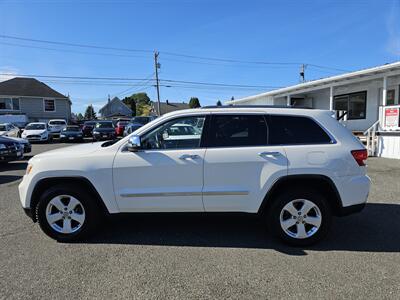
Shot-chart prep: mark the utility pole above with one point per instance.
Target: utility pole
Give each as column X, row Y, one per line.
column 302, row 73
column 157, row 66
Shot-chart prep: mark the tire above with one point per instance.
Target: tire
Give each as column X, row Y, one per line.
column 300, row 207
column 83, row 220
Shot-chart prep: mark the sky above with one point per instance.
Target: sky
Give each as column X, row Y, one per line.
column 258, row 45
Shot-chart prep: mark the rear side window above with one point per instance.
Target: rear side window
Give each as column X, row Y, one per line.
column 237, row 131
column 292, row 130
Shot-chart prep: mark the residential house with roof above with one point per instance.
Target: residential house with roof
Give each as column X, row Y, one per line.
column 115, row 108
column 166, row 107
column 367, row 102
column 34, row 99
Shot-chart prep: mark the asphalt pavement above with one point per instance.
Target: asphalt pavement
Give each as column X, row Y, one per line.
column 202, row 257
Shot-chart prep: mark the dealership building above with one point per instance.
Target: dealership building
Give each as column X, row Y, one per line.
column 367, row 102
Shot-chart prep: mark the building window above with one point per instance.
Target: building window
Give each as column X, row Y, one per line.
column 9, row 103
column 355, row 104
column 49, row 105
column 390, row 99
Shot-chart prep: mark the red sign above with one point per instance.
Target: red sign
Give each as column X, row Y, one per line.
column 391, row 117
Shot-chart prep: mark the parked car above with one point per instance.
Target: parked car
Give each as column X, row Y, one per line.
column 104, row 130
column 56, row 126
column 294, row 168
column 8, row 129
column 131, row 127
column 87, row 128
column 26, row 146
column 10, row 150
column 120, row 127
column 36, row 132
column 71, row 134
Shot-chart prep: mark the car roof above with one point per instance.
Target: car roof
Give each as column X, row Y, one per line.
column 268, row 109
column 42, row 123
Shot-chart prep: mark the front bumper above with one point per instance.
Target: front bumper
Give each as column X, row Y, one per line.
column 104, row 136
column 10, row 155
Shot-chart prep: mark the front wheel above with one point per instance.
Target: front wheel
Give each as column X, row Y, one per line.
column 300, row 217
column 67, row 213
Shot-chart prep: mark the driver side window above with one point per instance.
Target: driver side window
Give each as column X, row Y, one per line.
column 180, row 133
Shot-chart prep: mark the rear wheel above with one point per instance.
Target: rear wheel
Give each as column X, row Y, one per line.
column 300, row 217
column 67, row 213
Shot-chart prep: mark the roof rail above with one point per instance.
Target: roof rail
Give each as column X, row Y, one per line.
column 255, row 106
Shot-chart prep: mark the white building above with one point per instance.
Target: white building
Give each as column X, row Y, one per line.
column 366, row 101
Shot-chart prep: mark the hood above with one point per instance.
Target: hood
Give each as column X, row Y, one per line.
column 78, row 150
column 18, row 140
column 33, row 131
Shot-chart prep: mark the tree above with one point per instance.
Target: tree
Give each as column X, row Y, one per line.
column 194, row 102
column 130, row 102
column 79, row 117
column 90, row 114
column 219, row 103
column 141, row 102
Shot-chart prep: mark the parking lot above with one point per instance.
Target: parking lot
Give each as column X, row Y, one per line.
column 149, row 256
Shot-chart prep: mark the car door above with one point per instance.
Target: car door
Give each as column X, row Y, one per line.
column 239, row 165
column 167, row 173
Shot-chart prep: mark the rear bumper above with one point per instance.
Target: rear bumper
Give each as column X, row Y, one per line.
column 353, row 190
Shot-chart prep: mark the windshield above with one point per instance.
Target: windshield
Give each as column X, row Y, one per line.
column 71, row 128
column 35, row 126
column 3, row 128
column 141, row 120
column 104, row 125
column 89, row 123
column 57, row 122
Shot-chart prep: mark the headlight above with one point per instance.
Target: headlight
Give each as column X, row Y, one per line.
column 2, row 146
column 29, row 169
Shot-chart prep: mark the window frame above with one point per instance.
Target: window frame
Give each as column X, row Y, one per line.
column 348, row 102
column 11, row 98
column 44, row 105
column 202, row 138
column 207, row 142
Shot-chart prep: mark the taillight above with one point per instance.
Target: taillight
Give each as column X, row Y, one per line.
column 360, row 156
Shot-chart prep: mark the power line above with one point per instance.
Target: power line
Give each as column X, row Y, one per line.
column 121, row 80
column 215, row 59
column 73, row 44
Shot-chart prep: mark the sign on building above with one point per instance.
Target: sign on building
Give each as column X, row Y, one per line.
column 391, row 117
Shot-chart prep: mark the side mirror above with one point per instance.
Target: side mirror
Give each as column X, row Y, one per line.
column 134, row 144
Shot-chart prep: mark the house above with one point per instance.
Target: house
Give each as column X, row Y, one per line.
column 365, row 101
column 115, row 108
column 34, row 99
column 167, row 107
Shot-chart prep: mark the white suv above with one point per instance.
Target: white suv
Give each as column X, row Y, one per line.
column 294, row 167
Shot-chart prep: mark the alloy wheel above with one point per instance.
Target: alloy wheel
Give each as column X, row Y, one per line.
column 300, row 218
column 65, row 214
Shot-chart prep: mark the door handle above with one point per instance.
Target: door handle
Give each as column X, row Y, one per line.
column 270, row 153
column 189, row 156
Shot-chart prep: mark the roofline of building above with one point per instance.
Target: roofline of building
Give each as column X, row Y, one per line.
column 323, row 81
